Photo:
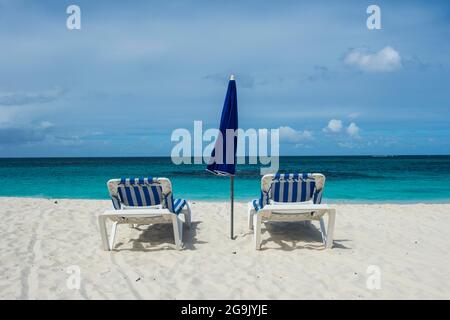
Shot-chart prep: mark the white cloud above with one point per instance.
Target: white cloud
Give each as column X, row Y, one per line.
column 334, row 125
column 385, row 60
column 353, row 130
column 288, row 134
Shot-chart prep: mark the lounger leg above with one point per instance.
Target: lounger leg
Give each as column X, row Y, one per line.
column 323, row 231
column 103, row 233
column 180, row 230
column 330, row 231
column 187, row 215
column 113, row 235
column 251, row 212
column 257, row 231
column 177, row 231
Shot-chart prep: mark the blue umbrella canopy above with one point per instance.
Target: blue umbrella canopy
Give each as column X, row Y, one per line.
column 225, row 164
column 223, row 156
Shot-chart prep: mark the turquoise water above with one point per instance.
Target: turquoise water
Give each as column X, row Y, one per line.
column 353, row 179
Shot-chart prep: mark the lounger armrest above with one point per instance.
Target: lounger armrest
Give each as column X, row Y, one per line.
column 298, row 205
column 135, row 213
column 296, row 208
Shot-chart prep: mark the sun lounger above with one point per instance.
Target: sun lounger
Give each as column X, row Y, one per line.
column 144, row 201
column 291, row 197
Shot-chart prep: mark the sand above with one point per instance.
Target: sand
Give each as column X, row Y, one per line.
column 381, row 251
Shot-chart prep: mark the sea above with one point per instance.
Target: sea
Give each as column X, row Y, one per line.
column 353, row 179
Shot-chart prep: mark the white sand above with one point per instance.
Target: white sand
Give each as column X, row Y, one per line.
column 40, row 240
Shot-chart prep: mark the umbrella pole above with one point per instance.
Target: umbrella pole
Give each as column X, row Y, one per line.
column 232, row 205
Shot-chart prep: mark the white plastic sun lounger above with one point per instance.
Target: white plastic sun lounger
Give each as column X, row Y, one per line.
column 291, row 197
column 144, row 201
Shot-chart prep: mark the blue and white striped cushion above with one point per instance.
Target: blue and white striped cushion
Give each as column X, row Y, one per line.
column 261, row 202
column 116, row 202
column 290, row 187
column 175, row 205
column 317, row 197
column 139, row 192
column 257, row 205
column 144, row 192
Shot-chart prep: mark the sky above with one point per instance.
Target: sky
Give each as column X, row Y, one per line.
column 136, row 71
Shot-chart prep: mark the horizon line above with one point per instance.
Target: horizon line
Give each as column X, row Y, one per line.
column 285, row 156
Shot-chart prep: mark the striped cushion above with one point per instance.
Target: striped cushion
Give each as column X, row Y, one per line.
column 290, row 187
column 116, row 202
column 175, row 205
column 144, row 192
column 140, row 195
column 257, row 205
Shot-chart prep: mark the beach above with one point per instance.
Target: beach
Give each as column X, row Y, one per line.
column 45, row 243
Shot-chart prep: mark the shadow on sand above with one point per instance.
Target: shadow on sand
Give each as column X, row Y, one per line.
column 295, row 235
column 159, row 237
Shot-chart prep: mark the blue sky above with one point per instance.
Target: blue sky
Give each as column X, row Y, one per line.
column 138, row 70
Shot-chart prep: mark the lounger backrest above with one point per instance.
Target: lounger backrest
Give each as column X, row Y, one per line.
column 141, row 192
column 292, row 187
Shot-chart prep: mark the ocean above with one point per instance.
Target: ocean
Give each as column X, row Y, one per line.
column 349, row 179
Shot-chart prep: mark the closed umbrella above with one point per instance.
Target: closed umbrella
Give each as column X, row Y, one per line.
column 223, row 156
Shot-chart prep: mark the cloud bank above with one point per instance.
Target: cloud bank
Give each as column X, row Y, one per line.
column 385, row 60
column 287, row 134
column 25, row 98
